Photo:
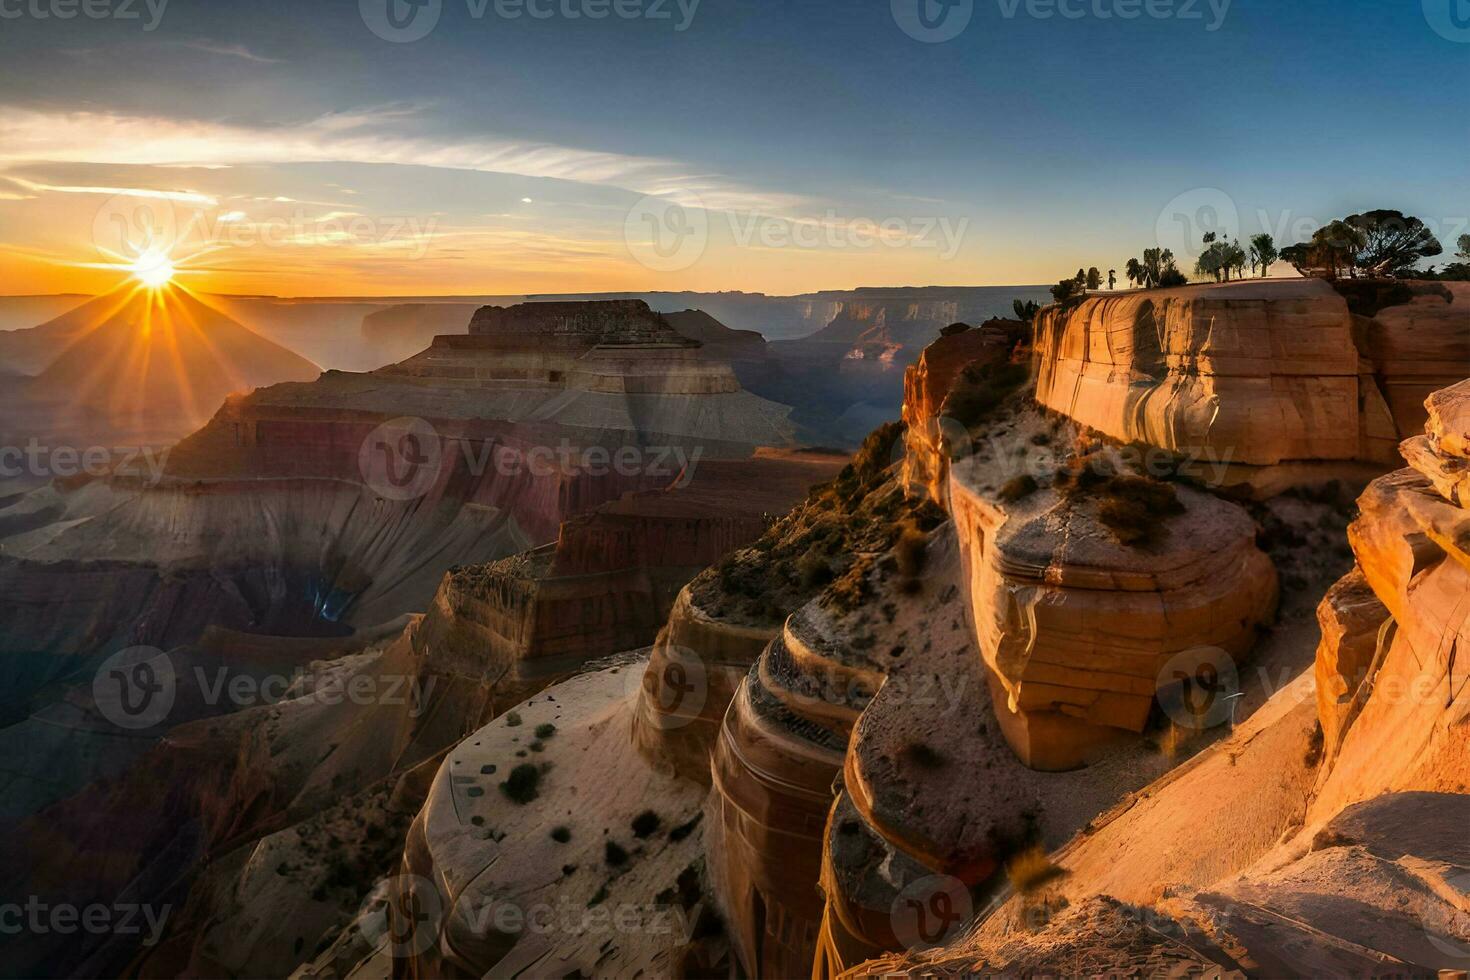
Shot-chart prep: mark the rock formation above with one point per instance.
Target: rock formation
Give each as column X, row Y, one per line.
column 1324, row 836
column 270, row 525
column 1273, row 378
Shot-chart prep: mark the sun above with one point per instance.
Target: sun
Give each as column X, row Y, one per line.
column 153, row 268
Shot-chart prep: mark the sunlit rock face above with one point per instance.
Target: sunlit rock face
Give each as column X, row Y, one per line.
column 1398, row 719
column 928, row 383
column 1325, row 836
column 1257, row 374
column 1076, row 627
column 1417, row 345
column 777, row 753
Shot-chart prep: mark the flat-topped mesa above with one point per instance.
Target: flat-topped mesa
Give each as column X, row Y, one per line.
column 614, row 346
column 577, row 326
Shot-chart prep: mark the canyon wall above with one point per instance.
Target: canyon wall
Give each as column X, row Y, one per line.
column 1276, row 378
column 1325, row 835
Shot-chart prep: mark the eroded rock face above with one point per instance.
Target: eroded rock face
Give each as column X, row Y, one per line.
column 1418, row 348
column 543, row 878
column 1325, row 837
column 275, row 518
column 1076, row 627
column 1263, row 372
column 928, row 383
column 1258, row 374
column 619, row 322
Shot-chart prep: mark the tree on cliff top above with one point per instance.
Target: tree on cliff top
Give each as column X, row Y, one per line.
column 1156, row 269
column 1113, row 278
column 1375, row 243
column 1094, row 278
column 1393, row 243
column 1332, row 251
column 1064, row 290
column 1025, row 312
column 1134, row 271
column 1263, row 253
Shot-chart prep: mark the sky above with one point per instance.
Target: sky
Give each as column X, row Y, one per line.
column 464, row 147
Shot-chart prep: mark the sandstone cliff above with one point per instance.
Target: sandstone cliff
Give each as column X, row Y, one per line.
column 1274, row 378
column 1324, row 837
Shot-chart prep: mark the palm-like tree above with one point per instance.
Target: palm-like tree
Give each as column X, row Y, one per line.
column 1134, row 271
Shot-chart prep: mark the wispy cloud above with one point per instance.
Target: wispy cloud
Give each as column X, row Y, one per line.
column 229, row 51
column 372, row 137
column 182, row 197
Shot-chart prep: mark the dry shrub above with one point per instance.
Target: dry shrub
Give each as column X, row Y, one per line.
column 1032, row 869
column 1134, row 508
column 911, row 550
column 1018, row 488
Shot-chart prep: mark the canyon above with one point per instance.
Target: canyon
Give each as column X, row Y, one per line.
column 948, row 712
column 571, row 465
column 1131, row 647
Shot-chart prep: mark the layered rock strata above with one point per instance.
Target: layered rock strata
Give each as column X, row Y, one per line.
column 1076, row 627
column 319, row 507
column 614, row 576
column 930, row 436
column 1256, row 374
column 1325, row 836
